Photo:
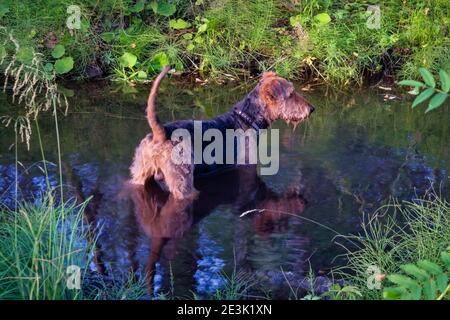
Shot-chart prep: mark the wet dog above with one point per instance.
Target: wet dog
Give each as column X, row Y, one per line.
column 273, row 98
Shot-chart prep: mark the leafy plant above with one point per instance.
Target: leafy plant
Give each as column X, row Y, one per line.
column 438, row 96
column 423, row 280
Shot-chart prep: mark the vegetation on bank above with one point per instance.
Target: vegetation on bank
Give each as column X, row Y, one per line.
column 338, row 42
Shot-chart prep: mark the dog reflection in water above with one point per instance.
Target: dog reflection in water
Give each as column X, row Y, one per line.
column 165, row 219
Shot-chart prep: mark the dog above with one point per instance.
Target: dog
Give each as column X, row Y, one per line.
column 272, row 98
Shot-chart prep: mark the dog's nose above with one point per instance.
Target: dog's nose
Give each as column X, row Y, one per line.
column 311, row 108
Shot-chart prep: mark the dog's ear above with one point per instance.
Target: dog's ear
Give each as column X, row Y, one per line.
column 274, row 89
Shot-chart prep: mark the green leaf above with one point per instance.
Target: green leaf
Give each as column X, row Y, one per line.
column 64, row 65
column 48, row 67
column 138, row 7
column 402, row 280
column 25, row 54
column 438, row 99
column 58, row 51
column 159, row 60
column 323, row 18
column 414, row 271
column 442, row 282
column 393, row 293
column 108, row 36
column 411, row 83
column 179, row 24
column 423, row 96
column 142, row 75
column 163, row 8
column 84, row 25
column 295, row 20
column 128, row 60
column 187, row 36
column 427, row 77
column 445, row 80
column 429, row 289
column 2, row 52
column 429, row 266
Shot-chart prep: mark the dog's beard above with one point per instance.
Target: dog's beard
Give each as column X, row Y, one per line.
column 294, row 123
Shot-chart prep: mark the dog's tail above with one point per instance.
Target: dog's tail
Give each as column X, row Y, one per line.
column 159, row 133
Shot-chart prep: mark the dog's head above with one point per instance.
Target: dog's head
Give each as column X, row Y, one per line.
column 281, row 99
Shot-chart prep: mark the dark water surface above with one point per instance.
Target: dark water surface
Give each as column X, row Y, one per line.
column 355, row 153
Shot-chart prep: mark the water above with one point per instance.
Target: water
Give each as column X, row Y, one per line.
column 355, row 153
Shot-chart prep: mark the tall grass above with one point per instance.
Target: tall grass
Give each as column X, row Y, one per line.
column 397, row 234
column 37, row 244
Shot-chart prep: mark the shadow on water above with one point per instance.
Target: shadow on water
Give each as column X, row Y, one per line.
column 354, row 153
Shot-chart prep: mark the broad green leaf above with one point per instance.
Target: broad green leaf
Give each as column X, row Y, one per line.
column 159, row 60
column 445, row 80
column 429, row 289
column 25, row 54
column 179, row 24
column 414, row 271
column 187, row 36
column 58, row 51
column 142, row 75
column 323, row 18
column 2, row 52
column 441, row 282
column 128, row 60
column 427, row 77
column 107, row 36
column 163, row 8
column 64, row 65
column 402, row 280
column 295, row 20
column 138, row 7
column 429, row 266
column 423, row 96
column 48, row 67
column 438, row 99
column 411, row 83
column 393, row 293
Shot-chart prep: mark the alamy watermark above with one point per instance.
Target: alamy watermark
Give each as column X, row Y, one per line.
column 236, row 146
column 374, row 20
column 73, row 281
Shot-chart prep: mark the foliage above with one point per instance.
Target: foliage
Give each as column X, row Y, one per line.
column 399, row 234
column 319, row 40
column 438, row 96
column 429, row 281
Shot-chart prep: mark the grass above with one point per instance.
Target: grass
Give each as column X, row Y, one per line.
column 226, row 38
column 37, row 244
column 396, row 234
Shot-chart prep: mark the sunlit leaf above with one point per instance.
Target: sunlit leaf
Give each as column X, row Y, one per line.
column 423, row 96
column 411, row 83
column 179, row 24
column 445, row 80
column 323, row 18
column 128, row 60
column 427, row 77
column 64, row 65
column 437, row 100
column 58, row 51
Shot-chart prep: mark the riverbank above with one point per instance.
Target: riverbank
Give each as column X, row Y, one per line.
column 338, row 43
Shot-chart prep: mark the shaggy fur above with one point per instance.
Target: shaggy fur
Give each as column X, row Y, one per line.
column 273, row 98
